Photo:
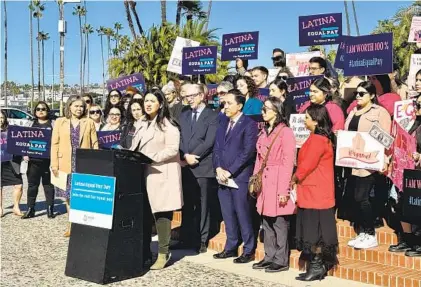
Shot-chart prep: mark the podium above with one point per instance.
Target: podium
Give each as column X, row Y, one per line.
column 108, row 255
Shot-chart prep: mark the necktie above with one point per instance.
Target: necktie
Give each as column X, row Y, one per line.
column 230, row 126
column 194, row 119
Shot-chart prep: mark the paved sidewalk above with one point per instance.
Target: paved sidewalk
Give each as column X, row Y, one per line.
column 33, row 253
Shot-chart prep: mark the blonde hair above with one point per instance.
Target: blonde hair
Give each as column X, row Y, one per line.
column 69, row 103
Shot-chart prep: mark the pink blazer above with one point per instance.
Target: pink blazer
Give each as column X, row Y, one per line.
column 278, row 171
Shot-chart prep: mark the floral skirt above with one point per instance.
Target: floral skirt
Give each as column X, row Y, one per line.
column 64, row 193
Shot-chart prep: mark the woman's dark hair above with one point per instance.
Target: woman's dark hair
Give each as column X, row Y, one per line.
column 122, row 113
column 371, row 89
column 6, row 122
column 279, row 109
column 418, row 73
column 232, row 79
column 89, row 96
column 245, row 63
column 164, row 111
column 108, row 104
column 281, row 84
column 251, row 86
column 129, row 115
column 286, row 70
column 46, row 106
column 319, row 114
column 323, row 84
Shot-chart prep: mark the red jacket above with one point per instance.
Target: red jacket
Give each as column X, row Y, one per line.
column 315, row 188
column 335, row 113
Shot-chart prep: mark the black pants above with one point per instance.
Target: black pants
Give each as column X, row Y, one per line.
column 39, row 170
column 364, row 210
column 381, row 195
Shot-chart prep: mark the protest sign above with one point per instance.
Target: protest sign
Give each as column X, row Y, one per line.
column 33, row 142
column 415, row 31
column 92, row 200
column 243, row 45
column 323, row 29
column 301, row 133
column 106, row 139
column 134, row 80
column 411, row 201
column 414, row 67
column 263, row 94
column 368, row 55
column 273, row 72
column 359, row 150
column 404, row 113
column 298, row 63
column 174, row 64
column 403, row 147
column 213, row 97
column 199, row 60
column 340, row 53
column 299, row 89
column 3, row 145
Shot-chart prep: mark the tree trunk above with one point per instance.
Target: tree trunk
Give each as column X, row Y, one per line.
column 43, row 73
column 355, row 18
column 31, row 47
column 163, row 11
column 81, row 56
column 178, row 15
column 61, row 13
column 39, row 64
column 139, row 26
column 103, row 74
column 5, row 52
column 347, row 19
column 129, row 19
column 116, row 39
column 208, row 15
column 84, row 60
column 87, row 75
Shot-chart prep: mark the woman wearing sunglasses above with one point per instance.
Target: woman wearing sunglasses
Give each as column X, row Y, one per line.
column 113, row 120
column 95, row 114
column 361, row 182
column 113, row 100
column 279, row 89
column 39, row 168
column 88, row 100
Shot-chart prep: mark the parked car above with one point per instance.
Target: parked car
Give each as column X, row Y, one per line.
column 54, row 114
column 18, row 117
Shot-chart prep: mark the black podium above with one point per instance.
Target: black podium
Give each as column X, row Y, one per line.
column 107, row 255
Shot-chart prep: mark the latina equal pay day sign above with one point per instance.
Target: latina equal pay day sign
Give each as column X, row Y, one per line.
column 134, row 80
column 322, row 29
column 240, row 45
column 28, row 141
column 199, row 60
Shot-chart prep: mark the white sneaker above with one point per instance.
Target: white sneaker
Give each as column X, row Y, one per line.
column 368, row 241
column 357, row 238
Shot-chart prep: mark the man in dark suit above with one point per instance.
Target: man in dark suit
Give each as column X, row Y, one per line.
column 198, row 130
column 233, row 158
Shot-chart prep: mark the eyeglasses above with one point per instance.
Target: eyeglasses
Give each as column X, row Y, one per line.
column 115, row 115
column 93, row 112
column 88, row 101
column 314, row 68
column 359, row 95
column 41, row 109
column 191, row 96
column 114, row 96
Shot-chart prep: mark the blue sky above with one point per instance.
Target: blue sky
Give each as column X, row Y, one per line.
column 276, row 21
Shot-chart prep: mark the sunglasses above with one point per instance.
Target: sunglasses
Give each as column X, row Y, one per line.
column 41, row 109
column 282, row 77
column 95, row 112
column 277, row 58
column 88, row 101
column 114, row 96
column 115, row 115
column 359, row 94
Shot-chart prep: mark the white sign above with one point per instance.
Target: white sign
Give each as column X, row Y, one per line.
column 404, row 113
column 415, row 31
column 298, row 63
column 301, row 133
column 273, row 72
column 414, row 67
column 359, row 150
column 174, row 65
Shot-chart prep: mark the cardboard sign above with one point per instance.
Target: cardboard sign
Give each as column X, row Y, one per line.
column 411, row 202
column 415, row 31
column 301, row 133
column 199, row 60
column 33, row 142
column 368, row 55
column 174, row 65
column 3, row 145
column 106, row 139
column 359, row 150
column 298, row 63
column 243, row 45
column 340, row 53
column 404, row 113
column 299, row 89
column 135, row 80
column 414, row 67
column 92, row 200
column 273, row 72
column 323, row 29
column 212, row 97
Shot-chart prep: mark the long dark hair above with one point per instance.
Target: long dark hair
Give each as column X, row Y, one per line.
column 6, row 122
column 280, row 111
column 323, row 85
column 320, row 115
column 46, row 106
column 163, row 112
column 108, row 104
column 281, row 84
column 129, row 115
column 251, row 86
column 371, row 89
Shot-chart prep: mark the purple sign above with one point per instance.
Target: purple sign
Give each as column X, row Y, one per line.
column 368, row 55
column 240, row 45
column 135, row 80
column 199, row 60
column 263, row 94
column 299, row 89
column 340, row 53
column 106, row 139
column 322, row 29
column 213, row 97
column 33, row 142
column 3, row 144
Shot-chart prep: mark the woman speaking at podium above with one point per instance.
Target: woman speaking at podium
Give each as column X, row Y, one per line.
column 158, row 137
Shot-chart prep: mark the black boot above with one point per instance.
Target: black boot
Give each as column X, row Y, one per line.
column 50, row 211
column 403, row 244
column 30, row 213
column 415, row 250
column 317, row 270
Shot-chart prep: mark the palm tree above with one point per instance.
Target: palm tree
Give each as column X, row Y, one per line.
column 348, row 26
column 133, row 8
column 101, row 33
column 208, row 14
column 355, row 18
column 31, row 48
column 87, row 29
column 191, row 8
column 117, row 26
column 5, row 52
column 129, row 19
column 109, row 32
column 80, row 11
column 42, row 37
column 178, row 15
column 163, row 11
column 39, row 8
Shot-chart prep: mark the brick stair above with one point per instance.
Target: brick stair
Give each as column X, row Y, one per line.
column 373, row 266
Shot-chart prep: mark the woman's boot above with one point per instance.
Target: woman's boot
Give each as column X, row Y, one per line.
column 403, row 243
column 69, row 228
column 316, row 271
column 161, row 261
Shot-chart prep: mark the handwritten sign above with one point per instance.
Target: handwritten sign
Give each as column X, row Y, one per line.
column 323, row 29
column 243, row 45
column 273, row 73
column 174, row 64
column 33, row 142
column 368, row 55
column 414, row 67
column 415, row 31
column 404, row 113
column 135, row 80
column 359, row 150
column 106, row 139
column 298, row 63
column 301, row 133
column 299, row 89
column 199, row 60
column 3, row 144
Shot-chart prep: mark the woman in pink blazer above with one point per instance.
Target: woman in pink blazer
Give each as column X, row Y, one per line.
column 273, row 202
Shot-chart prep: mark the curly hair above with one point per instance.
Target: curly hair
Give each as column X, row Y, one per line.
column 251, row 86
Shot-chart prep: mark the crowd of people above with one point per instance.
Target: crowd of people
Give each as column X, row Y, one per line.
column 215, row 162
